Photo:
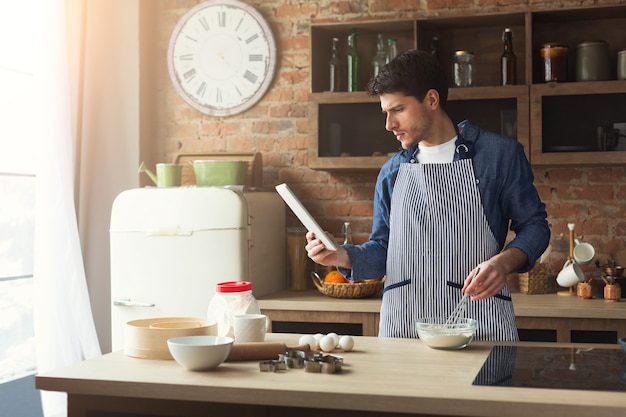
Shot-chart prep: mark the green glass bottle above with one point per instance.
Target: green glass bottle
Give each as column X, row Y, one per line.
column 380, row 58
column 392, row 49
column 352, row 63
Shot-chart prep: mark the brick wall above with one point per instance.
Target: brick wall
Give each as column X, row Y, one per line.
column 277, row 126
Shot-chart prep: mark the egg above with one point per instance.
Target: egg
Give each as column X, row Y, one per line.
column 308, row 339
column 318, row 337
column 335, row 336
column 346, row 343
column 327, row 343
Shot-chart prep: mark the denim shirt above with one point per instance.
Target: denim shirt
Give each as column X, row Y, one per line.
column 505, row 183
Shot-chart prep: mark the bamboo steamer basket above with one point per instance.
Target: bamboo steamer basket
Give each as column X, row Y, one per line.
column 147, row 338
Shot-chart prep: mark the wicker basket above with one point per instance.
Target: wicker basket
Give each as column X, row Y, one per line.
column 350, row 290
column 535, row 281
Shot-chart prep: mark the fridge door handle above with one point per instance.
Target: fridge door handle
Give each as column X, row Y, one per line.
column 125, row 302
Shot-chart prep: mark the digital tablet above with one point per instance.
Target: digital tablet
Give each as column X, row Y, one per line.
column 303, row 214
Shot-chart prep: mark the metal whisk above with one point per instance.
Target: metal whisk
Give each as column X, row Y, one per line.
column 460, row 308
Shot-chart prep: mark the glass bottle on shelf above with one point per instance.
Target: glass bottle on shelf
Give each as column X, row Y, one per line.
column 352, row 63
column 335, row 69
column 346, row 230
column 434, row 47
column 392, row 49
column 380, row 59
column 507, row 60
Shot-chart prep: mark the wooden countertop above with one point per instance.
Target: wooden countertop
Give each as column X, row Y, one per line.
column 526, row 305
column 380, row 374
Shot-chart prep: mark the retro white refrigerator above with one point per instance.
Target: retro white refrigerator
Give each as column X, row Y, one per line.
column 170, row 246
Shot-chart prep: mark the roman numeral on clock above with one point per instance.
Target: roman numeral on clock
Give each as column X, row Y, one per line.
column 201, row 89
column 250, row 77
column 204, row 23
column 255, row 57
column 189, row 75
column 252, row 38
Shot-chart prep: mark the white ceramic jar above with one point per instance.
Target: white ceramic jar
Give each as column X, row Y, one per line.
column 621, row 65
column 592, row 61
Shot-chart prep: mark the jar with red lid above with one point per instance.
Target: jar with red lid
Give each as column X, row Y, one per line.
column 554, row 57
column 231, row 298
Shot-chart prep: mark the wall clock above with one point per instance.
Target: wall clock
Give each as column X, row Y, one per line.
column 222, row 57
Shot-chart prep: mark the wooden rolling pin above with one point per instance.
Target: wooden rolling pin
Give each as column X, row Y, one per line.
column 255, row 351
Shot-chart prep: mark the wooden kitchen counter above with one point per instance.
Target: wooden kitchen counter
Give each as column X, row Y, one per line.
column 563, row 314
column 380, row 377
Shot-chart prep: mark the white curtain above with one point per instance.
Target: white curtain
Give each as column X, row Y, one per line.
column 64, row 326
column 88, row 116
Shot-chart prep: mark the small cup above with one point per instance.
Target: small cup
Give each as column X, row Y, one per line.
column 584, row 253
column 250, row 327
column 570, row 275
column 168, row 175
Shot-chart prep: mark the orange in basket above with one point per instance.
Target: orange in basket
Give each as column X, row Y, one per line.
column 334, row 276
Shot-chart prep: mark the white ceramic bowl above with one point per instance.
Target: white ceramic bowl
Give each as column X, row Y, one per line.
column 437, row 336
column 200, row 353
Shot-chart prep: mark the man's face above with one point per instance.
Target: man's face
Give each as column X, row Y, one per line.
column 408, row 119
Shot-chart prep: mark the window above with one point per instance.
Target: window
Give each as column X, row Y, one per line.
column 17, row 190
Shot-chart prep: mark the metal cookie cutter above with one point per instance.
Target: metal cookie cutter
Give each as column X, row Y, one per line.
column 272, row 366
column 331, row 364
column 313, row 362
column 294, row 359
column 328, row 364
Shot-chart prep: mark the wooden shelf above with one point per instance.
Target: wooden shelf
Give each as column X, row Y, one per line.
column 552, row 116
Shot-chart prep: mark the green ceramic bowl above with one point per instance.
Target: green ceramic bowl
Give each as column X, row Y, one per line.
column 210, row 173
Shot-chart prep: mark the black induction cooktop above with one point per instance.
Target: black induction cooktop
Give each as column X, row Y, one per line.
column 547, row 367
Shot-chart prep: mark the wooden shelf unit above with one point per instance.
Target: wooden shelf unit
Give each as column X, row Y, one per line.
column 572, row 109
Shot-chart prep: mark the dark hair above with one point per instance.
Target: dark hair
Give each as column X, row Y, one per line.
column 413, row 73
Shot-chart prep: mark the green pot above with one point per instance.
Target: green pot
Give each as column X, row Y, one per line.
column 218, row 173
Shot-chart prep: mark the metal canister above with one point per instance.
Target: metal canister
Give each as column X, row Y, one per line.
column 463, row 69
column 592, row 61
column 621, row 65
column 554, row 56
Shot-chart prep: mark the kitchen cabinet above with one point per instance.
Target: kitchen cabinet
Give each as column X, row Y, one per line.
column 541, row 317
column 555, row 122
column 565, row 116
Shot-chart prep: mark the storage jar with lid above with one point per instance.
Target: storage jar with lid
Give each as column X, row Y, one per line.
column 463, row 69
column 621, row 65
column 612, row 292
column 554, row 56
column 231, row 298
column 592, row 61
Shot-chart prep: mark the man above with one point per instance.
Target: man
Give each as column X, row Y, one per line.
column 442, row 207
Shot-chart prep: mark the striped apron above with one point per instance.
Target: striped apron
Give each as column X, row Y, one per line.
column 439, row 233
